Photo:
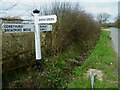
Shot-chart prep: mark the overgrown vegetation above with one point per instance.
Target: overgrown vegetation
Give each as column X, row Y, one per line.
column 57, row 71
column 17, row 50
column 66, row 47
column 73, row 25
column 102, row 58
column 117, row 22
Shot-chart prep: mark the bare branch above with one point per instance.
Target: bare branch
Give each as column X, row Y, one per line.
column 102, row 17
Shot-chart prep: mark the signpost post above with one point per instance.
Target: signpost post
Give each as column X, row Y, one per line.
column 37, row 35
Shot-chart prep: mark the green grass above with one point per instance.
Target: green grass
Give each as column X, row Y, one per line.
column 100, row 58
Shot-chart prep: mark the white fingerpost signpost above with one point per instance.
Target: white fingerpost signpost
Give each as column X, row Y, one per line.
column 36, row 28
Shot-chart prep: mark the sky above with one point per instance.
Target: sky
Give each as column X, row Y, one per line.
column 24, row 8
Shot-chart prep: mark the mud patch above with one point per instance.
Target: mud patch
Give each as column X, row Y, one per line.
column 97, row 73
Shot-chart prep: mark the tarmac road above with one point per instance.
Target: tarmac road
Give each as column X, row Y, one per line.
column 115, row 39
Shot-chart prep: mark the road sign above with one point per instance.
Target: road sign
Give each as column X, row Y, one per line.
column 36, row 28
column 12, row 28
column 45, row 27
column 47, row 19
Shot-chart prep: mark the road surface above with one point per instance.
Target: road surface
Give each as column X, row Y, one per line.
column 115, row 39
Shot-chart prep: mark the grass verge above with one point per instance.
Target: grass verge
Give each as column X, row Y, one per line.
column 102, row 58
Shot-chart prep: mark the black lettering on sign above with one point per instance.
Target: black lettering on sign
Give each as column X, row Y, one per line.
column 27, row 29
column 43, row 27
column 7, row 26
column 5, row 30
column 17, row 26
column 10, row 30
column 19, row 29
column 50, row 19
column 13, row 26
column 41, row 19
column 15, row 30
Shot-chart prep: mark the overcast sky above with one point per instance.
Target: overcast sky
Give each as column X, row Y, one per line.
column 25, row 7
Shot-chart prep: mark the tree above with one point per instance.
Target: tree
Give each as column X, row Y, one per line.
column 102, row 17
column 117, row 22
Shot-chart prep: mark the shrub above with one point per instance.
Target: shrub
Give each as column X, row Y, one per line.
column 73, row 25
